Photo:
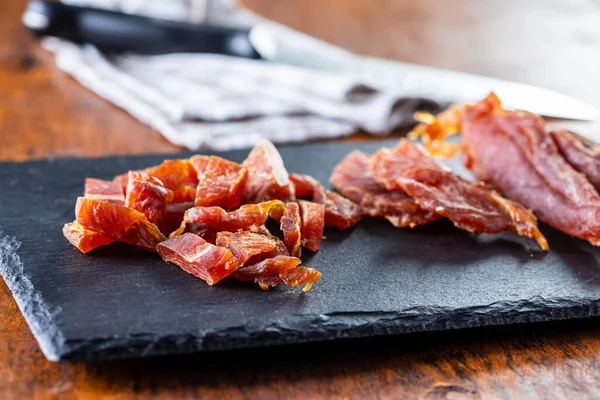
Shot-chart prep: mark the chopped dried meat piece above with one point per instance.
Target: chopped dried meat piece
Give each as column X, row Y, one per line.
column 149, row 196
column 199, row 163
column 196, row 256
column 245, row 245
column 179, row 176
column 270, row 266
column 121, row 180
column 513, row 152
column 581, row 153
column 313, row 224
column 104, row 190
column 84, row 239
column 290, row 226
column 305, row 185
column 351, row 178
column 470, row 206
column 118, row 223
column 267, row 177
column 221, row 184
column 292, row 277
column 247, row 217
column 339, row 211
column 280, row 249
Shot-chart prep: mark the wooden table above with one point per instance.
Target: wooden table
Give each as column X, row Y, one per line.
column 43, row 113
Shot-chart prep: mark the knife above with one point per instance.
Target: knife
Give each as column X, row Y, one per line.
column 117, row 32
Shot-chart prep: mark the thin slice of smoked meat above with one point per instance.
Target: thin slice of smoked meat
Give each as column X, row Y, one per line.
column 470, row 206
column 581, row 153
column 149, row 196
column 290, row 226
column 196, row 256
column 267, row 177
column 221, row 184
column 339, row 211
column 247, row 245
column 108, row 191
column 270, row 266
column 312, row 216
column 292, row 277
column 351, row 178
column 84, row 239
column 247, row 217
column 180, row 176
column 118, row 223
column 513, row 152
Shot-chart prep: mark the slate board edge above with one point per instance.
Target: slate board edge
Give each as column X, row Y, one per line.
column 294, row 329
column 37, row 315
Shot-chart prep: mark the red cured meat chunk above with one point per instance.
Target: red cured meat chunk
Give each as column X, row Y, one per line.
column 305, row 185
column 246, row 245
column 247, row 217
column 267, row 177
column 118, row 223
column 351, row 178
column 513, row 152
column 199, row 163
column 270, row 266
column 470, row 206
column 339, row 211
column 179, row 176
column 84, row 239
column 104, row 190
column 581, row 153
column 292, row 277
column 313, row 224
column 221, row 184
column 149, row 196
column 196, row 256
column 290, row 226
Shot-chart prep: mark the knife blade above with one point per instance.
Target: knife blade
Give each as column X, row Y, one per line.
column 278, row 43
column 118, row 32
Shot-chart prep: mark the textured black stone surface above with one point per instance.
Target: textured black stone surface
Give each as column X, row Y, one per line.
column 122, row 302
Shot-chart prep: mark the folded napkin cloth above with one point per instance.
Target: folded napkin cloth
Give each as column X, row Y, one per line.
column 219, row 102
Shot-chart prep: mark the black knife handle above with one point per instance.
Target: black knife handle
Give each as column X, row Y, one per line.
column 118, row 32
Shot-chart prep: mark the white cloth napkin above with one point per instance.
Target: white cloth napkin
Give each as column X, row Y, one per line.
column 219, row 102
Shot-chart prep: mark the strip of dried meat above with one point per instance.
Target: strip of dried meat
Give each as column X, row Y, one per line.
column 149, row 196
column 104, row 190
column 470, row 206
column 290, row 226
column 513, row 152
column 305, row 185
column 118, row 223
column 313, row 224
column 196, row 256
column 246, row 245
column 292, row 277
column 180, row 176
column 267, row 177
column 84, row 239
column 339, row 211
column 351, row 178
column 221, row 184
column 581, row 153
column 199, row 163
column 247, row 217
column 270, row 266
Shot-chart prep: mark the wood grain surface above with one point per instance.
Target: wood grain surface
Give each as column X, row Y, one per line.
column 552, row 43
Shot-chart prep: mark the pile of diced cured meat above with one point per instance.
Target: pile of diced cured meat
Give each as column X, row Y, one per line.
column 554, row 176
column 207, row 215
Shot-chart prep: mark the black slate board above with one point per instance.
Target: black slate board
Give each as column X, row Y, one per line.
column 119, row 301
